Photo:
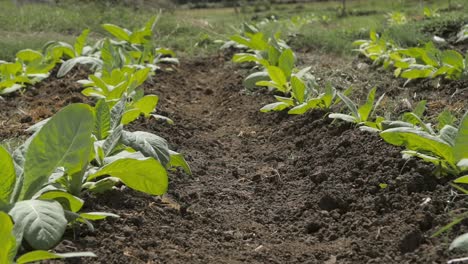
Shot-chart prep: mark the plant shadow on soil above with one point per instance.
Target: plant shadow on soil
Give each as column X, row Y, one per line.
column 266, row 188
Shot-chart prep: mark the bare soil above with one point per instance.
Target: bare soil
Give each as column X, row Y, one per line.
column 266, row 188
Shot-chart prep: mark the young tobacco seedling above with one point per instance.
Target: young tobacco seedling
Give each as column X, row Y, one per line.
column 360, row 115
column 304, row 95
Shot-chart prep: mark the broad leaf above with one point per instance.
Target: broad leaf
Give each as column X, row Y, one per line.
column 64, row 141
column 419, row 141
column 149, row 144
column 145, row 175
column 43, row 222
column 277, row 75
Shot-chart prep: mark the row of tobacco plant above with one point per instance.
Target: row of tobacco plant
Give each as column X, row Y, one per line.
column 445, row 144
column 81, row 148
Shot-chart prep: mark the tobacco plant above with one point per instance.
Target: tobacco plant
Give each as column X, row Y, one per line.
column 361, row 115
column 9, row 246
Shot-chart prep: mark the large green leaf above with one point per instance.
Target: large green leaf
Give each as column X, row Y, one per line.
column 420, row 141
column 64, row 141
column 460, row 150
column 7, row 176
column 7, row 239
column 43, row 222
column 149, row 144
column 145, row 175
column 39, row 255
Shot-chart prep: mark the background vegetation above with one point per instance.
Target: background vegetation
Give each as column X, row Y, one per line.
column 194, row 31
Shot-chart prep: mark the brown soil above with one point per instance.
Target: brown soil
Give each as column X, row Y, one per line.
column 266, row 188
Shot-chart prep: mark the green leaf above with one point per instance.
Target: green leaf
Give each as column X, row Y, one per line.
column 247, row 57
column 130, row 116
column 346, row 118
column 351, row 106
column 39, row 255
column 286, row 61
column 102, row 185
column 93, row 216
column 67, row 200
column 278, row 106
column 178, row 160
column 112, row 140
column 251, row 80
column 445, row 118
column 419, row 141
column 299, row 109
column 81, row 42
column 102, row 125
column 7, row 176
column 461, row 242
column 144, row 175
column 460, row 149
column 148, row 144
column 69, row 64
column 7, row 239
column 273, row 56
column 118, row 32
column 64, row 141
column 43, row 222
column 448, row 226
column 277, row 75
column 453, row 58
column 298, row 89
column 365, row 110
column 29, row 55
column 420, row 108
column 448, row 134
column 147, row 104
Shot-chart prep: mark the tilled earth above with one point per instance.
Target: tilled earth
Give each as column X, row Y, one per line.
column 266, row 188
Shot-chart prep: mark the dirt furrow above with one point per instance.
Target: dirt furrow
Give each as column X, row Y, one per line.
column 268, row 188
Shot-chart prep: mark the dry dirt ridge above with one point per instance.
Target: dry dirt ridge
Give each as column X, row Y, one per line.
column 266, row 188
